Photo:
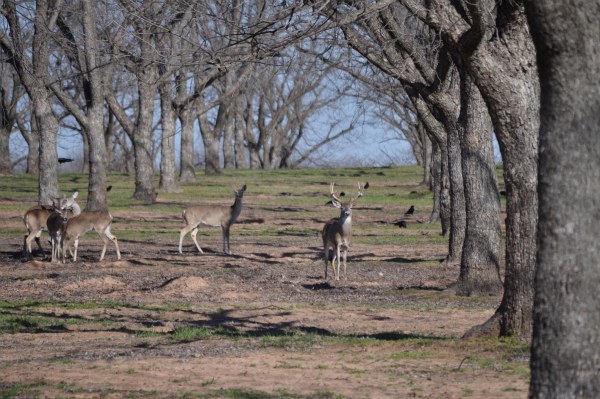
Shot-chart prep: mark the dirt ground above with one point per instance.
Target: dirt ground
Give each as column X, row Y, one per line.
column 274, row 327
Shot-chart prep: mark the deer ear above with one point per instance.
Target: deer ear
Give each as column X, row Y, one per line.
column 243, row 188
column 75, row 194
column 337, row 204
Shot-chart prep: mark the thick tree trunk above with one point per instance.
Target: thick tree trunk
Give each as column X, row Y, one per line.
column 505, row 71
column 212, row 164
column 457, row 198
column 168, row 170
column 436, row 182
column 48, row 156
column 565, row 358
column 97, row 163
column 211, row 136
column 187, row 173
column 480, row 262
column 142, row 138
column 5, row 162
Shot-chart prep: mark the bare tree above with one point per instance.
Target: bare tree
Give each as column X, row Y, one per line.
column 84, row 55
column 495, row 47
column 31, row 61
column 565, row 359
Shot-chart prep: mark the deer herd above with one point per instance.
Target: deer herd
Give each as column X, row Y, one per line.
column 66, row 223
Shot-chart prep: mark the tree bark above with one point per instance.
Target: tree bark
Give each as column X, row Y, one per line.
column 5, row 162
column 480, row 262
column 142, row 138
column 168, row 170
column 565, row 356
column 187, row 172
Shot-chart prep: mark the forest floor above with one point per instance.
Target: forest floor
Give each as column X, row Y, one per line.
column 261, row 323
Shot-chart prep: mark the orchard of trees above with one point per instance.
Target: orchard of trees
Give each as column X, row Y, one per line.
column 447, row 74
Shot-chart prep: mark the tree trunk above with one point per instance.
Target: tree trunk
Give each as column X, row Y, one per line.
column 48, row 156
column 142, row 139
column 211, row 136
column 436, row 182
column 505, row 71
column 457, row 198
column 5, row 162
column 426, row 149
column 168, row 170
column 228, row 141
column 187, row 173
column 33, row 142
column 565, row 356
column 97, row 162
column 480, row 262
column 211, row 148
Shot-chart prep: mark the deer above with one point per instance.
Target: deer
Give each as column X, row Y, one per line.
column 213, row 216
column 57, row 225
column 337, row 232
column 36, row 218
column 99, row 221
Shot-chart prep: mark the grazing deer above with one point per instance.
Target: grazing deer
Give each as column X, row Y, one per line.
column 337, row 232
column 214, row 216
column 36, row 218
column 99, row 221
column 57, row 225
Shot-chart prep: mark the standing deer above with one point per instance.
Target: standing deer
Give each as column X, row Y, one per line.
column 57, row 225
column 36, row 219
column 337, row 232
column 99, row 221
column 213, row 216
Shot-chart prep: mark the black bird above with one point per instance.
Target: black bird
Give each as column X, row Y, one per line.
column 366, row 185
column 410, row 211
column 64, row 160
column 401, row 224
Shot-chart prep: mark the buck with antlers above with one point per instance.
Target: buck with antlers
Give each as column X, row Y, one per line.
column 337, row 232
column 36, row 220
column 213, row 216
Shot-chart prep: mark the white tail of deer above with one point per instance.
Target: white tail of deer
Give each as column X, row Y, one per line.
column 337, row 232
column 214, row 216
column 36, row 219
column 99, row 221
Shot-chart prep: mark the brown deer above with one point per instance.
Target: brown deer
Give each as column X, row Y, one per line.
column 337, row 232
column 36, row 218
column 214, row 216
column 57, row 225
column 99, row 221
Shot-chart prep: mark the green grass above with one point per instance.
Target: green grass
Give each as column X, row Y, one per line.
column 21, row 390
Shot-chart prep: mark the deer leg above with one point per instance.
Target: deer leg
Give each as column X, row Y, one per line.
column 193, row 234
column 345, row 254
column 28, row 240
column 326, row 260
column 75, row 245
column 337, row 273
column 226, row 240
column 105, row 241
column 37, row 240
column 113, row 238
column 182, row 234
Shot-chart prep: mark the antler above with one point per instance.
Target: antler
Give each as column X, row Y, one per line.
column 359, row 193
column 333, row 195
